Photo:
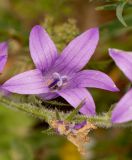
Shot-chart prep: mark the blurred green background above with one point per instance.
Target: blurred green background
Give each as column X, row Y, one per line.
column 21, row 136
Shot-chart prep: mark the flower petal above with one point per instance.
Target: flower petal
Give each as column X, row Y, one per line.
column 76, row 96
column 93, row 78
column 3, row 55
column 123, row 109
column 123, row 60
column 42, row 48
column 76, row 55
column 29, row 82
column 48, row 96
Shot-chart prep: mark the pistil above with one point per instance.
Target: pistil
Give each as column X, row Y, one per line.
column 58, row 81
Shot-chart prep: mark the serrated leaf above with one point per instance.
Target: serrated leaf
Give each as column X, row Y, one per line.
column 119, row 12
column 75, row 111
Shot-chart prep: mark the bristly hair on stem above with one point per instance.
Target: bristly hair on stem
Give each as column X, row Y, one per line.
column 40, row 111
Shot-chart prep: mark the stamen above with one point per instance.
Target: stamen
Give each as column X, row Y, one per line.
column 60, row 83
column 53, row 83
column 56, row 75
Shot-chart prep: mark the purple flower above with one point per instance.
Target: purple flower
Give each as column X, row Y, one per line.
column 3, row 55
column 123, row 109
column 3, row 59
column 59, row 75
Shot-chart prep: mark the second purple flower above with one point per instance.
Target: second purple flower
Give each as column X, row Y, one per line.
column 123, row 109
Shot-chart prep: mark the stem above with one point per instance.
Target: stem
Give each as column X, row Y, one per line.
column 56, row 103
column 43, row 113
column 102, row 121
column 39, row 112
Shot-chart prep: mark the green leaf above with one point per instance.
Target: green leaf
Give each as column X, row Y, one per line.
column 119, row 12
column 75, row 111
column 57, row 115
column 115, row 29
column 107, row 7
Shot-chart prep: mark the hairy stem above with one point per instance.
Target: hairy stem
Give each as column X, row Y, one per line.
column 46, row 114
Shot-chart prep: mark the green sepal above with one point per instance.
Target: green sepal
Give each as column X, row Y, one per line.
column 57, row 114
column 75, row 111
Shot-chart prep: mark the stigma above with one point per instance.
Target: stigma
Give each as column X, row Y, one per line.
column 58, row 81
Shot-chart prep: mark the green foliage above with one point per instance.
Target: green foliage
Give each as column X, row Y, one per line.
column 119, row 12
column 119, row 6
column 106, row 7
column 58, row 115
column 71, row 116
column 38, row 109
column 63, row 33
column 49, row 131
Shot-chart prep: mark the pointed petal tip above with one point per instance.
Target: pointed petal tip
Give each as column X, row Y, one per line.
column 95, row 30
column 116, row 89
column 113, row 51
column 110, row 51
column 37, row 28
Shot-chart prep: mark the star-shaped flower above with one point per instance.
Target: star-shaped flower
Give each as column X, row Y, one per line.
column 123, row 109
column 59, row 74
